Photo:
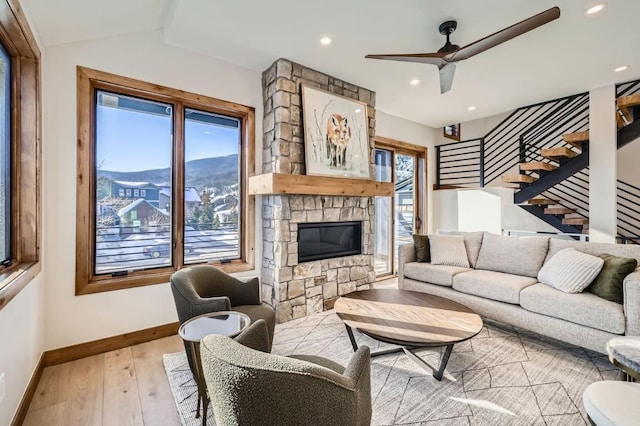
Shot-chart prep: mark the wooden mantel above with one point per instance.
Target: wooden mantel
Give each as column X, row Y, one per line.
column 280, row 183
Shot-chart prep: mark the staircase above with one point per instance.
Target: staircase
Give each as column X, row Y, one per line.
column 561, row 162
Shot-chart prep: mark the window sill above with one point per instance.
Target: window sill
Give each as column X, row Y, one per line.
column 107, row 283
column 15, row 279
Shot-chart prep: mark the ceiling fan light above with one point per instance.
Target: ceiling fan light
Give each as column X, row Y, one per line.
column 596, row 8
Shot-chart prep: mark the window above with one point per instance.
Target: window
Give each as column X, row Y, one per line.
column 121, row 192
column 5, row 157
column 20, row 216
column 195, row 150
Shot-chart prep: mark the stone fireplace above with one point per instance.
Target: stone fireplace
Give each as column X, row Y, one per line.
column 299, row 289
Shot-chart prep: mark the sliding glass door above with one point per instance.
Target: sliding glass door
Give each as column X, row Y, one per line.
column 398, row 217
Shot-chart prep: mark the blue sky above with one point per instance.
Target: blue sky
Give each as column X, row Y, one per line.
column 129, row 140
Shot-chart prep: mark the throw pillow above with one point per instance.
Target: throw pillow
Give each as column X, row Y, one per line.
column 423, row 252
column 608, row 283
column 512, row 255
column 570, row 270
column 448, row 250
column 472, row 242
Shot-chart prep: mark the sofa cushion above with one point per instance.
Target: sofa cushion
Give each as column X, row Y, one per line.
column 512, row 255
column 570, row 270
column 622, row 250
column 448, row 250
column 472, row 243
column 434, row 274
column 423, row 251
column 581, row 308
column 608, row 283
column 492, row 285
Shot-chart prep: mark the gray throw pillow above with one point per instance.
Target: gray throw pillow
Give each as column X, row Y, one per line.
column 512, row 255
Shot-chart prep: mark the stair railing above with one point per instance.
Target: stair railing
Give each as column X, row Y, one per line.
column 460, row 164
column 628, row 209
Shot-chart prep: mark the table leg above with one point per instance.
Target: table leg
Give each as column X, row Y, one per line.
column 354, row 345
column 443, row 362
column 202, row 390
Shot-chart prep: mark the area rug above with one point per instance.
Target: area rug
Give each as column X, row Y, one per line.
column 503, row 376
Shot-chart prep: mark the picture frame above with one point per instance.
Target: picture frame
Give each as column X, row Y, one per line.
column 336, row 134
column 452, row 131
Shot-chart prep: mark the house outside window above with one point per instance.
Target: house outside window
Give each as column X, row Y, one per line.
column 121, row 192
column 193, row 151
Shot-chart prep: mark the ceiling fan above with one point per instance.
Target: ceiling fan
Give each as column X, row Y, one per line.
column 450, row 53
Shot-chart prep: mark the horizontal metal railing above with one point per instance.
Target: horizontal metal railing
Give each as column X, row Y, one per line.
column 460, row 164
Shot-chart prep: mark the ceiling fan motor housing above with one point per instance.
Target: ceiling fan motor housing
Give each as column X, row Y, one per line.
column 446, row 29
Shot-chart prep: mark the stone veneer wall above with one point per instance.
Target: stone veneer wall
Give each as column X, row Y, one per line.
column 296, row 290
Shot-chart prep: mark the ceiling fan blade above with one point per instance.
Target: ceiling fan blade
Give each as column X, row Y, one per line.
column 504, row 35
column 446, row 77
column 436, row 59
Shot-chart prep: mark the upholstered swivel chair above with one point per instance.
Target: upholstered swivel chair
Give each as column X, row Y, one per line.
column 204, row 288
column 249, row 386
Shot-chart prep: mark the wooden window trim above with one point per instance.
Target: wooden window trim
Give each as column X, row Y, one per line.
column 26, row 218
column 88, row 80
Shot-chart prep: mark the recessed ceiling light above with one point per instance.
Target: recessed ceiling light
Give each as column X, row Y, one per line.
column 622, row 68
column 471, row 108
column 358, row 111
column 596, row 8
column 325, row 41
column 414, row 82
column 206, row 132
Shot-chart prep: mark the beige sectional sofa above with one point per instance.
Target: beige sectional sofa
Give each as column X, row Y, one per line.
column 502, row 285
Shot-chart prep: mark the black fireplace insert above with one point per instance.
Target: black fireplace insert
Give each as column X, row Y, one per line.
column 326, row 240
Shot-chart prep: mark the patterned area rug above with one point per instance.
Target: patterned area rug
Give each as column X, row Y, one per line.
column 503, row 376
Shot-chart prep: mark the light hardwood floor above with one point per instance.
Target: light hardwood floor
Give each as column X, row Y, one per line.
column 123, row 387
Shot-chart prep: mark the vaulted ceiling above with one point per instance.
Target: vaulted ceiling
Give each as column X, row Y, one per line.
column 569, row 55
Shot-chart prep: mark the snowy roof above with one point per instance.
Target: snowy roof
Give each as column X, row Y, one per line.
column 133, row 184
column 190, row 194
column 135, row 204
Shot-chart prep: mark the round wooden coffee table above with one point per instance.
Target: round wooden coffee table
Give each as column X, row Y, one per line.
column 410, row 319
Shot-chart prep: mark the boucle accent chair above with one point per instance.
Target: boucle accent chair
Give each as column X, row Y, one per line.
column 204, row 288
column 248, row 386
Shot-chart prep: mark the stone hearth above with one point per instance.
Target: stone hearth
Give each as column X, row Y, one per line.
column 297, row 290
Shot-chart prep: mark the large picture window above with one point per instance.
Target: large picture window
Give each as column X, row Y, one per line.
column 165, row 187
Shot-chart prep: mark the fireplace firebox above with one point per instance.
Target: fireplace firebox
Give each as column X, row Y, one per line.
column 326, row 240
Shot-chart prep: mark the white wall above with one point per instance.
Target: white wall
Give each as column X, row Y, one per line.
column 474, row 129
column 603, row 153
column 391, row 126
column 22, row 337
column 628, row 163
column 74, row 319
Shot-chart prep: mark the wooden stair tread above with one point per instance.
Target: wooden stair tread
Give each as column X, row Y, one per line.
column 629, row 101
column 558, row 210
column 518, row 179
column 542, row 201
column 559, row 151
column 576, row 139
column 537, row 165
column 575, row 221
